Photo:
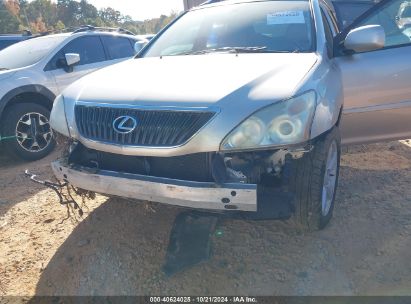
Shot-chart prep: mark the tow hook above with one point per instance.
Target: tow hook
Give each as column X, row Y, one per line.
column 57, row 188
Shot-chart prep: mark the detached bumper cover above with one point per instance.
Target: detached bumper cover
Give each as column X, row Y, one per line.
column 236, row 197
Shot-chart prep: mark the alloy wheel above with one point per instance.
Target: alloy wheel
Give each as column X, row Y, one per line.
column 33, row 132
column 330, row 179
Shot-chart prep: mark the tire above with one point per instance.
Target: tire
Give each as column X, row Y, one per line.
column 17, row 131
column 313, row 210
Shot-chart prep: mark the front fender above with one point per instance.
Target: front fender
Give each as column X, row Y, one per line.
column 330, row 97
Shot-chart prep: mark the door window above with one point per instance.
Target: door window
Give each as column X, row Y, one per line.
column 118, row 47
column 90, row 49
column 348, row 11
column 395, row 17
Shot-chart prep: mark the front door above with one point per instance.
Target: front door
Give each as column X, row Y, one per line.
column 92, row 57
column 377, row 84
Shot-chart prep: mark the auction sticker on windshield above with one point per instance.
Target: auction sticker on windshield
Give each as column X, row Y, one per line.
column 289, row 17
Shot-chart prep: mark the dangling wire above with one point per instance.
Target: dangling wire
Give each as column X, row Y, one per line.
column 57, row 188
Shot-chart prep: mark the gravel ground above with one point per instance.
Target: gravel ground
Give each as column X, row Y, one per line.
column 118, row 247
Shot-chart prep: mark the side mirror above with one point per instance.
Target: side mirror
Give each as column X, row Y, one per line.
column 72, row 59
column 138, row 46
column 365, row 38
column 68, row 62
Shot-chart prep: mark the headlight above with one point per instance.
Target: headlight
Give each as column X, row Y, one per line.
column 58, row 117
column 286, row 122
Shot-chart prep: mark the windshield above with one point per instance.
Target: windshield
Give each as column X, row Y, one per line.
column 27, row 52
column 269, row 26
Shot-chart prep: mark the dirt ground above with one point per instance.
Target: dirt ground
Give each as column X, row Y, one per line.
column 118, row 248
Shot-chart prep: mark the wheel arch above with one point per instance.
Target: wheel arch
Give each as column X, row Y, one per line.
column 37, row 94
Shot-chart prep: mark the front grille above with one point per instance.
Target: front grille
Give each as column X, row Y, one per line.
column 165, row 128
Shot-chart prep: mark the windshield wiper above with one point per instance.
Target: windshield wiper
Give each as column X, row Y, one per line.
column 229, row 49
column 3, row 69
column 238, row 50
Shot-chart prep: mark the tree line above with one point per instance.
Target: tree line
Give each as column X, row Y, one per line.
column 40, row 16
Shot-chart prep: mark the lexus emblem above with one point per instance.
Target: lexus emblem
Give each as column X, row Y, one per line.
column 124, row 124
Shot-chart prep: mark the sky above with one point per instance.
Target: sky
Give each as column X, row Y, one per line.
column 141, row 9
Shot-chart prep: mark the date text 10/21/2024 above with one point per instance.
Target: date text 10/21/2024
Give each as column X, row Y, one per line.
column 240, row 299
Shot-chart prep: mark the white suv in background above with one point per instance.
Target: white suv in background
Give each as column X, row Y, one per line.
column 34, row 72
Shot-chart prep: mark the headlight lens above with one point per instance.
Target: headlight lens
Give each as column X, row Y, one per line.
column 58, row 117
column 250, row 133
column 286, row 122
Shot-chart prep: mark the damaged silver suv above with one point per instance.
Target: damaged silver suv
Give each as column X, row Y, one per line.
column 239, row 107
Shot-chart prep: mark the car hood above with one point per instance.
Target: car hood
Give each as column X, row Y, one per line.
column 197, row 80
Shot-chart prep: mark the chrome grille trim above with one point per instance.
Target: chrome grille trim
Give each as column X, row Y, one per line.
column 158, row 127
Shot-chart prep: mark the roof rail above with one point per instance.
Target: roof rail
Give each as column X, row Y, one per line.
column 26, row 32
column 64, row 30
column 91, row 28
column 85, row 28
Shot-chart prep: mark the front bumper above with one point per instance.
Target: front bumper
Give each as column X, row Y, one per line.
column 199, row 195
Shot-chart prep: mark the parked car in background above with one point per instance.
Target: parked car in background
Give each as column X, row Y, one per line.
column 35, row 71
column 241, row 106
column 7, row 40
